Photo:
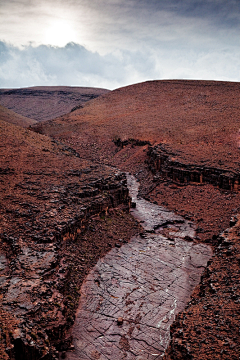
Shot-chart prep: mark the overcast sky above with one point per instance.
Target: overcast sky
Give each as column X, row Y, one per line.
column 113, row 43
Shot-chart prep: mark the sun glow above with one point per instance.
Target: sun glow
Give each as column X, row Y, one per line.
column 60, row 33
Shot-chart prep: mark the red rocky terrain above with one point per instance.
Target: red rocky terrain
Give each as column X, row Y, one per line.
column 192, row 127
column 46, row 102
column 14, row 118
column 130, row 298
column 197, row 120
column 65, row 205
column 49, row 196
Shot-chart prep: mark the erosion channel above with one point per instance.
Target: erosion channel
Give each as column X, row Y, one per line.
column 132, row 295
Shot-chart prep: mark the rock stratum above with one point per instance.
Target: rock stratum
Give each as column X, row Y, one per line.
column 65, row 205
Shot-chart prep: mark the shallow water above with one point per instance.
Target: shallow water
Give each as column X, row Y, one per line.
column 146, row 283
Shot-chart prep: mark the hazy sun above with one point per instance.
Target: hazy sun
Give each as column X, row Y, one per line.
column 60, row 33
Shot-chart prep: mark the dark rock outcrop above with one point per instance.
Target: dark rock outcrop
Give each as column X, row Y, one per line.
column 134, row 142
column 49, row 195
column 169, row 165
column 36, row 281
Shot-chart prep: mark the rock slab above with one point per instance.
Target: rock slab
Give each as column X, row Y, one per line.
column 130, row 298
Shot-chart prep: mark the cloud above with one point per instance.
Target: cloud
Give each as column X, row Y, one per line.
column 113, row 43
column 69, row 65
column 74, row 65
column 107, row 25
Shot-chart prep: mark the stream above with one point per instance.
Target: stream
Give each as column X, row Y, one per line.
column 131, row 297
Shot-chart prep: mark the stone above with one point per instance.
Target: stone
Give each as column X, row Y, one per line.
column 120, row 321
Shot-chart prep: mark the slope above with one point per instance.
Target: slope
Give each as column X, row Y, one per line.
column 197, row 120
column 47, row 102
column 48, row 195
column 14, row 118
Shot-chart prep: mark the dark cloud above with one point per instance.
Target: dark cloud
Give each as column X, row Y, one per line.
column 101, row 23
column 218, row 9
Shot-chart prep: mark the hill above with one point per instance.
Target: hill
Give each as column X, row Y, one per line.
column 14, row 118
column 47, row 102
column 197, row 120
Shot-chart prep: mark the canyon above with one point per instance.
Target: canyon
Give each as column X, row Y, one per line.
column 132, row 295
column 75, row 242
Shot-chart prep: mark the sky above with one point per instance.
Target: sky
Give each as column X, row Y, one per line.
column 114, row 43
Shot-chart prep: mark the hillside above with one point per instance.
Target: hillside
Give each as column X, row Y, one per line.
column 14, row 118
column 43, row 103
column 193, row 127
column 48, row 196
column 193, row 169
column 197, row 120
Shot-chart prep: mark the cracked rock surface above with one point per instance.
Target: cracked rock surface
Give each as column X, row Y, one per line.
column 130, row 298
column 208, row 328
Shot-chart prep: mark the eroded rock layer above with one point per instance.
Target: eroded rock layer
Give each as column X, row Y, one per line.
column 171, row 165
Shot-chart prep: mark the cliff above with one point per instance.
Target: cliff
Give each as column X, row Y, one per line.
column 170, row 165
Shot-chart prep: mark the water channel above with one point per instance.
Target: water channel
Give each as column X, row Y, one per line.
column 132, row 295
